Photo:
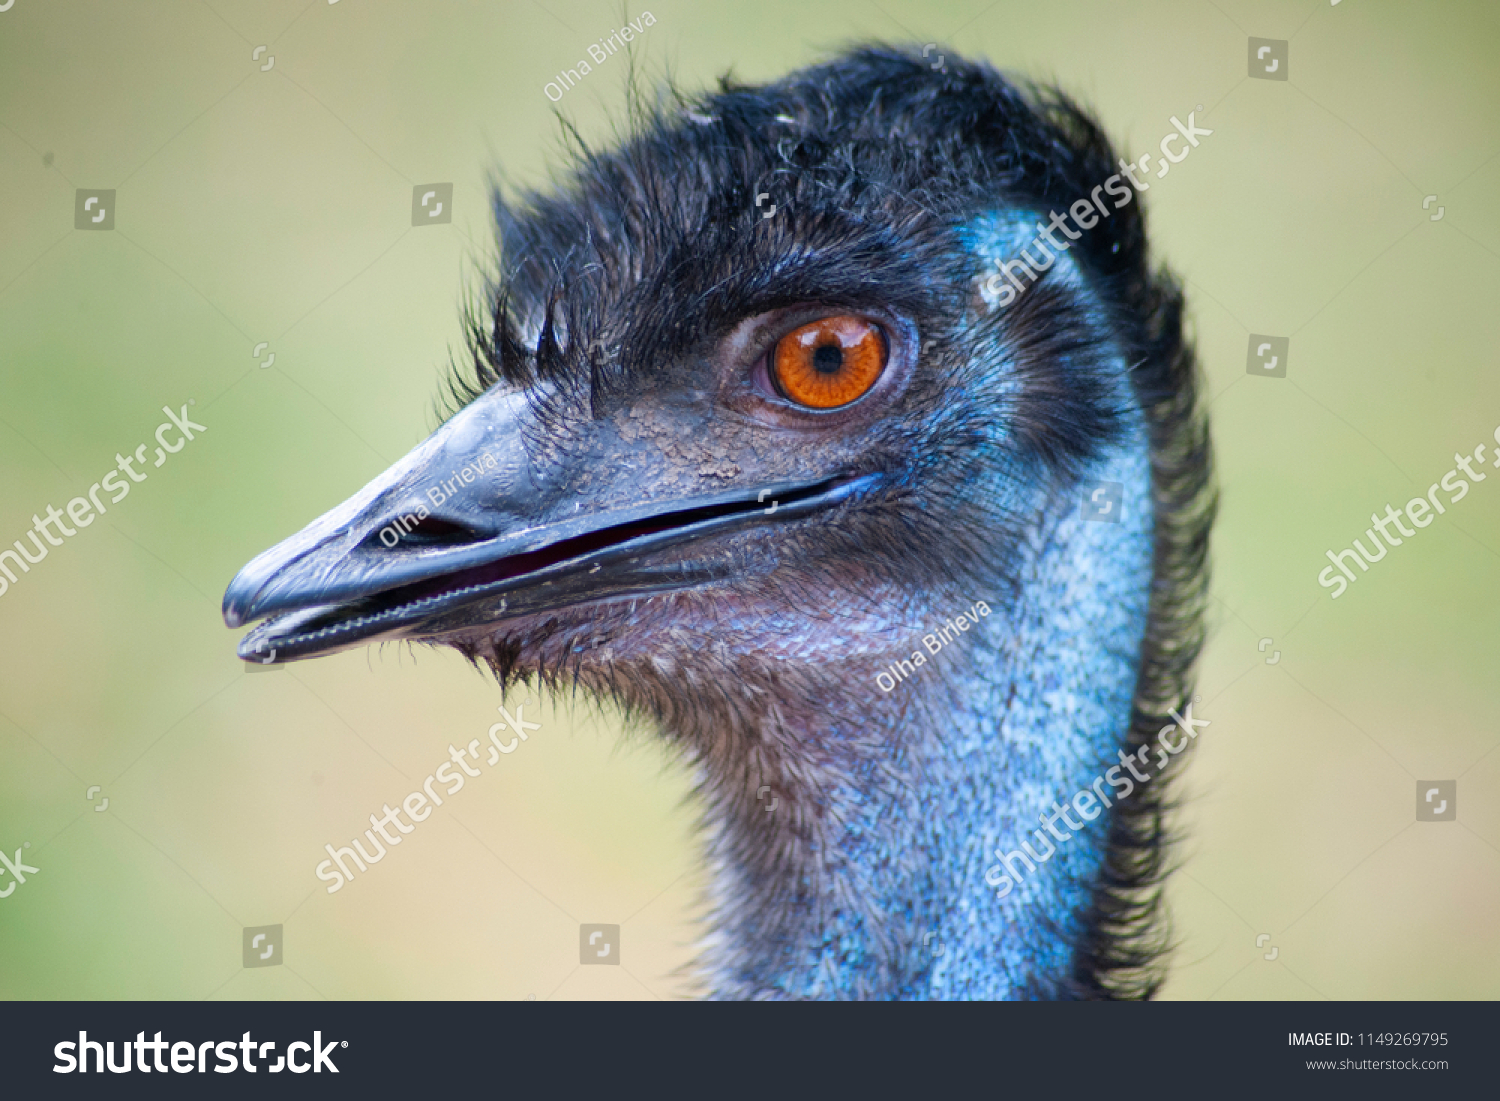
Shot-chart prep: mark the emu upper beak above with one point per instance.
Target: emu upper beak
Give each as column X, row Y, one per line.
column 496, row 538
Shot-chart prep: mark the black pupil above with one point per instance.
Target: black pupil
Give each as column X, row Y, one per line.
column 828, row 358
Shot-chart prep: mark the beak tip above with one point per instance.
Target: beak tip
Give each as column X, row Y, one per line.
column 238, row 599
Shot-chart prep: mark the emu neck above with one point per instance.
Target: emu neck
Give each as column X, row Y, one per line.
column 890, row 805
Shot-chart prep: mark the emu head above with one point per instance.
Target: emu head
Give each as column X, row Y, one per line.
column 751, row 422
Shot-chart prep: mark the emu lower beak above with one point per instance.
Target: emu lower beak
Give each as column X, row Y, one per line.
column 463, row 533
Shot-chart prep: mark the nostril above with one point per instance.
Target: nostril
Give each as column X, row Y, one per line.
column 433, row 528
column 427, row 531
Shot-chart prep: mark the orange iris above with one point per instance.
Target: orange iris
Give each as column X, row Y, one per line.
column 829, row 362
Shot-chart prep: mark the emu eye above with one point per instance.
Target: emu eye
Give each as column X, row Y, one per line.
column 829, row 362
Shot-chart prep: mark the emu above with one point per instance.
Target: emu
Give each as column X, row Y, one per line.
column 745, row 420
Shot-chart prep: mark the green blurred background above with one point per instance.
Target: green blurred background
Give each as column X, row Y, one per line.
column 274, row 205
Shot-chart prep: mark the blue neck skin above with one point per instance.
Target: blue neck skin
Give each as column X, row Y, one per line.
column 1026, row 708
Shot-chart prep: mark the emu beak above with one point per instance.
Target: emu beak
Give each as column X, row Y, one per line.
column 466, row 531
